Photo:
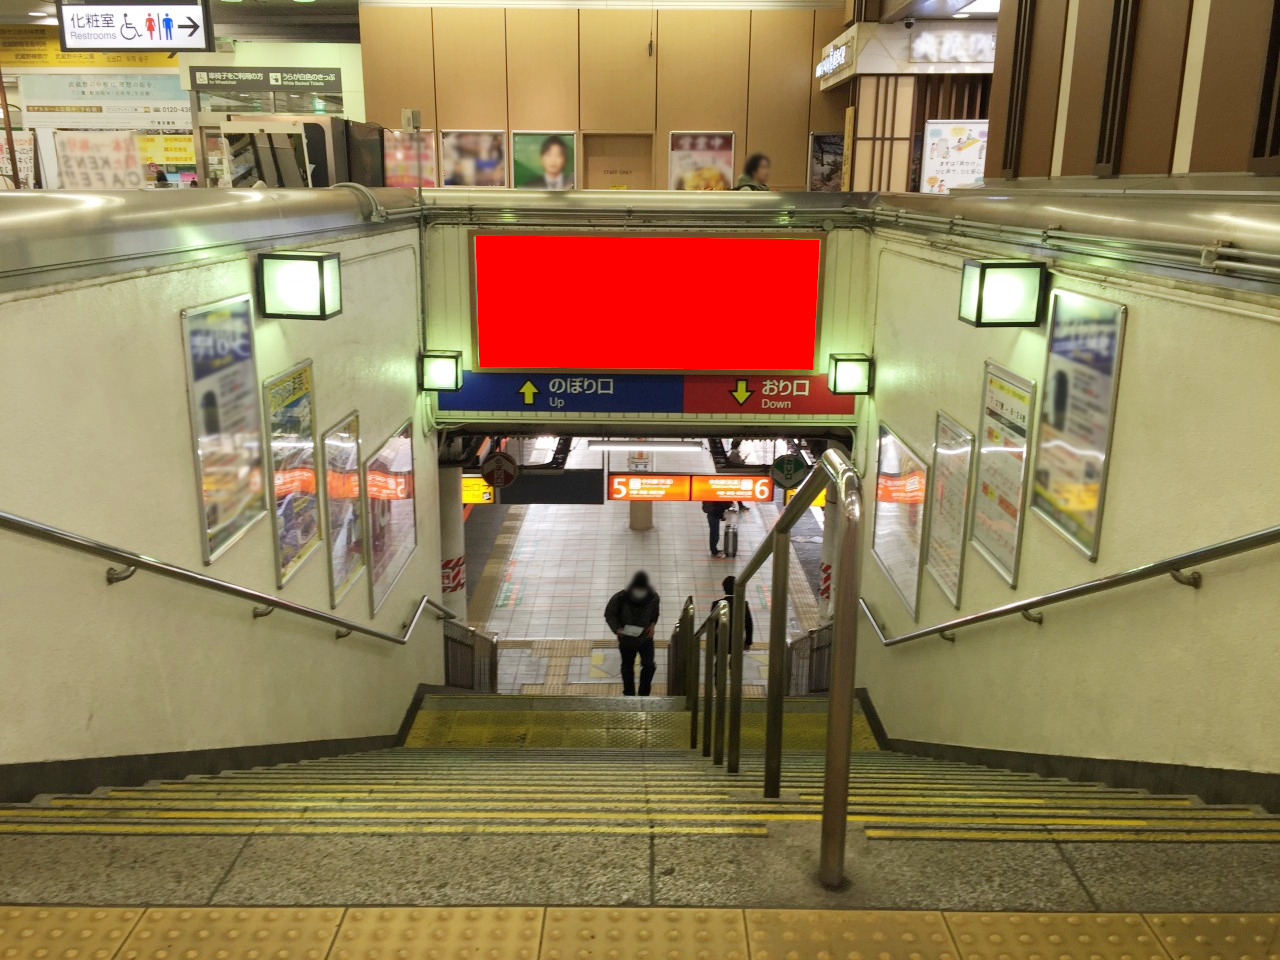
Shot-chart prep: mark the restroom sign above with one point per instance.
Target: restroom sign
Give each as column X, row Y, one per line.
column 135, row 27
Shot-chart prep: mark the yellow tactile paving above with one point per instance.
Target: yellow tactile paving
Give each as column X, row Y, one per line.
column 233, row 933
column 848, row 935
column 646, row 933
column 64, row 933
column 1204, row 936
column 439, row 933
column 1052, row 936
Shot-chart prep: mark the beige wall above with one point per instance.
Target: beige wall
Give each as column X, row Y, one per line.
column 93, row 383
column 1153, row 672
column 530, row 68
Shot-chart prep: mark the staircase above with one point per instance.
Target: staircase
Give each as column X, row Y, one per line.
column 565, row 765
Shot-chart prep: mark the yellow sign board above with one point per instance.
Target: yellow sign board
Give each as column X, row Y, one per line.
column 476, row 490
column 167, row 148
column 37, row 46
column 820, row 502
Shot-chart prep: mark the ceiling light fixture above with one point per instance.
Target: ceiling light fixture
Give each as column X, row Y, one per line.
column 36, row 13
column 661, row 446
column 989, row 7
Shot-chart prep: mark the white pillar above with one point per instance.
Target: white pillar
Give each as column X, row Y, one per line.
column 453, row 550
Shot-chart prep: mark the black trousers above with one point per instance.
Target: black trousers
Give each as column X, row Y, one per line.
column 629, row 647
column 713, row 522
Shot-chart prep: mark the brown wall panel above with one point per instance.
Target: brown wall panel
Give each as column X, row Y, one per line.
column 1001, row 79
column 617, row 160
column 826, row 109
column 1088, row 87
column 618, row 77
column 702, row 76
column 1155, row 86
column 397, row 72
column 1235, row 53
column 471, row 71
column 1040, row 121
column 542, row 68
column 778, row 103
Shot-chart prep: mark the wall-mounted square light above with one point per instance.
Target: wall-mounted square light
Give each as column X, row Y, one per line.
column 1003, row 293
column 299, row 285
column 851, row 373
column 440, row 370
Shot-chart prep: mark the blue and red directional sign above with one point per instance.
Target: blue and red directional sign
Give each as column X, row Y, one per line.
column 789, row 395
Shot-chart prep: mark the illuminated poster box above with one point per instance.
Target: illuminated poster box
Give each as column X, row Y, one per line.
column 475, row 489
column 648, row 486
column 726, row 487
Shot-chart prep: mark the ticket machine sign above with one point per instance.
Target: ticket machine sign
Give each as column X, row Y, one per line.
column 648, row 486
column 731, row 487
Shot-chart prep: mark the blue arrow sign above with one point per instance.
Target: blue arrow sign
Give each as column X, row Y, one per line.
column 567, row 393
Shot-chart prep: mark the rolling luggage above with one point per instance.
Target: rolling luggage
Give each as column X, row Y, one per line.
column 730, row 539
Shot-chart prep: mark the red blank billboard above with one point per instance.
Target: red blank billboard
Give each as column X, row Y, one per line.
column 603, row 302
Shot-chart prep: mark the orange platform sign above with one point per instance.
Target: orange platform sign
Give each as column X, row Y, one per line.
column 730, row 487
column 648, row 486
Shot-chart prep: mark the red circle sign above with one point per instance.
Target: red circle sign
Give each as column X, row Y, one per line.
column 499, row 469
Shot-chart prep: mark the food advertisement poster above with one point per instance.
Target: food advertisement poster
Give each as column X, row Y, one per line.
column 898, row 527
column 1000, row 490
column 345, row 531
column 954, row 155
column 1073, row 447
column 473, row 158
column 290, row 402
column 226, row 420
column 700, row 161
column 99, row 160
column 543, row 161
column 392, row 514
column 826, row 161
column 949, row 505
column 24, row 144
column 409, row 158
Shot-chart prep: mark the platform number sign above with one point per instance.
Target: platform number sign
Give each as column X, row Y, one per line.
column 789, row 471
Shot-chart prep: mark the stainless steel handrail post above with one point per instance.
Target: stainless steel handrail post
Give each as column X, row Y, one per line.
column 719, row 633
column 737, row 635
column 844, row 657
column 776, row 691
column 709, row 687
column 689, row 637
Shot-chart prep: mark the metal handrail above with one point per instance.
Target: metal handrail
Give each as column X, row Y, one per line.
column 1173, row 566
column 444, row 613
column 133, row 562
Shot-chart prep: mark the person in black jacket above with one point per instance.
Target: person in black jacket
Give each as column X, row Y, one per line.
column 632, row 615
column 715, row 511
column 749, row 628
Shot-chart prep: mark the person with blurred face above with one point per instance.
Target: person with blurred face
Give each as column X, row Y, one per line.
column 554, row 156
column 755, row 173
column 632, row 615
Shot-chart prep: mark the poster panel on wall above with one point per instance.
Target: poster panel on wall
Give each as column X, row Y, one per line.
column 700, row 161
column 344, row 516
column 954, row 155
column 1073, row 447
column 543, row 161
column 473, row 158
column 1000, row 490
column 949, row 505
column 153, row 102
column 226, row 420
column 897, row 533
column 24, row 145
column 826, row 160
column 98, row 160
column 392, row 514
column 289, row 399
column 409, row 158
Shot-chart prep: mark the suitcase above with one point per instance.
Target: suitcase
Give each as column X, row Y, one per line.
column 730, row 539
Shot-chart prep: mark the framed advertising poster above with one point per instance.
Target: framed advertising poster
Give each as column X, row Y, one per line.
column 954, row 154
column 898, row 528
column 473, row 158
column 226, row 420
column 1000, row 490
column 344, row 517
column 391, row 513
column 409, row 158
column 826, row 159
column 700, row 161
column 949, row 505
column 289, row 399
column 543, row 161
column 1073, row 447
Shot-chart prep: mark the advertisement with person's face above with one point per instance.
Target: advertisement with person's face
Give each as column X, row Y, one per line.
column 473, row 158
column 543, row 161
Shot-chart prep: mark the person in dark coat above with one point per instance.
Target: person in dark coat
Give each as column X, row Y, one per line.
column 632, row 615
column 749, row 628
column 715, row 511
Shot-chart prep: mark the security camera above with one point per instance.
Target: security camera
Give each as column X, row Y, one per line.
column 909, row 23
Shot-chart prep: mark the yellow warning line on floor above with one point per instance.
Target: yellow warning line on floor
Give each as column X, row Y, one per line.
column 1082, row 836
column 379, row 828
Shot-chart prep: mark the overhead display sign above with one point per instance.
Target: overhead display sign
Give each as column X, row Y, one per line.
column 648, row 486
column 312, row 79
column 134, row 26
column 35, row 45
column 686, row 487
column 733, row 488
column 627, row 302
column 749, row 395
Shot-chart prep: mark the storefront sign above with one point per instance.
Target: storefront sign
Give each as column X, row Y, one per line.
column 226, row 420
column 289, row 400
column 700, row 161
column 733, row 488
column 954, row 155
column 648, row 486
column 134, row 25
column 949, row 505
column 24, row 145
column 476, row 489
column 246, row 79
column 39, row 46
column 98, row 160
column 833, row 61
column 1000, row 488
column 391, row 508
column 174, row 149
column 345, row 530
column 106, row 101
column 954, row 43
column 898, row 527
column 1073, row 448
